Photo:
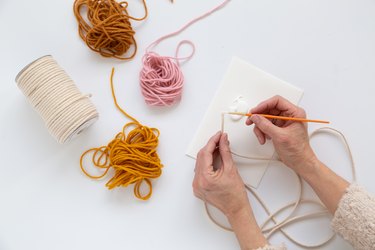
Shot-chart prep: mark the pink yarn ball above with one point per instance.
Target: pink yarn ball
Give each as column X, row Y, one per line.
column 161, row 80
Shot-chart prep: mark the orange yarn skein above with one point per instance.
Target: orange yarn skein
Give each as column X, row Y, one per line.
column 131, row 154
column 109, row 31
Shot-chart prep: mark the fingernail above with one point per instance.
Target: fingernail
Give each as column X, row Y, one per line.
column 254, row 118
column 226, row 138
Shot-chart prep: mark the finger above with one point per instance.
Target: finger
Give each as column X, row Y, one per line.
column 268, row 106
column 212, row 143
column 274, row 103
column 217, row 161
column 248, row 121
column 226, row 155
column 301, row 113
column 205, row 155
column 259, row 134
column 197, row 193
column 279, row 123
column 265, row 126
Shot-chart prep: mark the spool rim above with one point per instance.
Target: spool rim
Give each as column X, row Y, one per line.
column 28, row 65
column 81, row 128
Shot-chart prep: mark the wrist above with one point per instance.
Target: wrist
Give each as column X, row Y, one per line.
column 246, row 228
column 245, row 211
column 310, row 168
column 244, row 218
column 238, row 205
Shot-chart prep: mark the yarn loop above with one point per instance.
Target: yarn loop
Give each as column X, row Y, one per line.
column 161, row 78
column 132, row 155
column 109, row 31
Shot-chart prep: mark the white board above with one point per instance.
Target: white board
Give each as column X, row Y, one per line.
column 253, row 85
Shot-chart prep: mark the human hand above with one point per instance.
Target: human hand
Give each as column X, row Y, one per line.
column 290, row 139
column 218, row 181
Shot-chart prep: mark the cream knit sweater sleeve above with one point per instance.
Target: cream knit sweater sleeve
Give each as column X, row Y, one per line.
column 268, row 247
column 354, row 218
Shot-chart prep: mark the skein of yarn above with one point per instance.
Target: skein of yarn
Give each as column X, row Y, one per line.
column 161, row 78
column 131, row 154
column 53, row 94
column 107, row 28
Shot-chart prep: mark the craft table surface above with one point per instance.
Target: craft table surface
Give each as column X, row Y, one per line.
column 324, row 47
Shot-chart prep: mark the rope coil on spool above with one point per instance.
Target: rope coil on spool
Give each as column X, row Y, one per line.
column 53, row 94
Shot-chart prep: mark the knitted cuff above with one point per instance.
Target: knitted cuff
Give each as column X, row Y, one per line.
column 354, row 218
column 268, row 247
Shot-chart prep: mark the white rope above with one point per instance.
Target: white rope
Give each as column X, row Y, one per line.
column 289, row 219
column 53, row 94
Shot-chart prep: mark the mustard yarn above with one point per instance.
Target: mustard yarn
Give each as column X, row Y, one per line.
column 132, row 155
column 106, row 29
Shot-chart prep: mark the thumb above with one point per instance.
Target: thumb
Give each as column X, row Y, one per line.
column 226, row 155
column 265, row 125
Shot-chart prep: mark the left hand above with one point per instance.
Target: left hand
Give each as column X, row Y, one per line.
column 220, row 185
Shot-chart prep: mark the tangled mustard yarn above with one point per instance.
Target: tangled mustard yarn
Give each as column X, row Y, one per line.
column 132, row 155
column 107, row 28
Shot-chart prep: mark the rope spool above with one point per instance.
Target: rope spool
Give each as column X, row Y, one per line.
column 53, row 94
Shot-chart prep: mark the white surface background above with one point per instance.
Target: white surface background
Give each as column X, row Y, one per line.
column 324, row 47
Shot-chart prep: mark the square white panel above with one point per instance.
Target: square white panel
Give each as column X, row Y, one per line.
column 253, row 86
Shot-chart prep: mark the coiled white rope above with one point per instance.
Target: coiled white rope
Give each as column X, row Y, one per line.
column 53, row 94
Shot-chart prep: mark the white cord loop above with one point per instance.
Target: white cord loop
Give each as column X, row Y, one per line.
column 278, row 225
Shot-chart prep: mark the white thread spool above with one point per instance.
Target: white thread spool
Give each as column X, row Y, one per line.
column 53, row 94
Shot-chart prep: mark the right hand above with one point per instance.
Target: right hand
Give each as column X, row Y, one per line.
column 290, row 138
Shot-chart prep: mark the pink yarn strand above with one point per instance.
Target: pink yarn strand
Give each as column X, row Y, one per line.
column 161, row 78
